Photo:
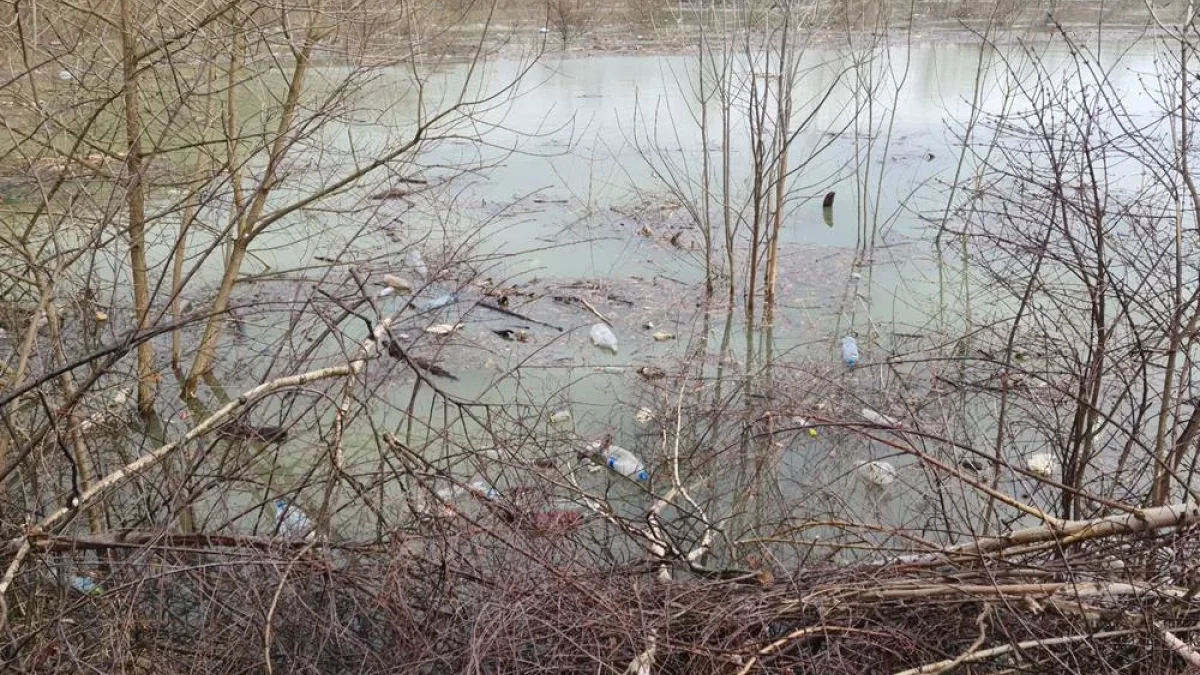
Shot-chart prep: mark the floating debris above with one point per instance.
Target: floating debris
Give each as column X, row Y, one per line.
column 625, row 463
column 391, row 193
column 513, row 334
column 618, row 459
column 662, row 336
column 438, row 302
column 101, row 317
column 397, row 284
column 86, row 585
column 651, row 372
column 432, row 368
column 877, row 472
column 414, row 260
column 880, row 419
column 508, row 312
column 1042, row 464
column 604, row 338
column 483, row 489
column 644, row 416
column 560, row 416
column 291, row 522
column 805, row 424
column 850, row 354
column 443, row 328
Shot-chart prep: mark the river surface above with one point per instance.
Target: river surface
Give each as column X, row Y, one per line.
column 568, row 197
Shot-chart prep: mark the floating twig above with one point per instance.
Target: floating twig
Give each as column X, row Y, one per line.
column 497, row 308
column 588, row 306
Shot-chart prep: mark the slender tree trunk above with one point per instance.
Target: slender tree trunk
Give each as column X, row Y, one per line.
column 245, row 227
column 1164, row 464
column 136, row 203
column 784, row 114
column 706, row 178
column 204, row 170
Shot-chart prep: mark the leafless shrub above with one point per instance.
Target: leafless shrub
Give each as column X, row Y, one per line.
column 569, row 19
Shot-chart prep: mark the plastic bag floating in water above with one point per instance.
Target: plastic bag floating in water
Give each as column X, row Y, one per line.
column 416, row 262
column 877, row 472
column 604, row 338
column 1041, row 463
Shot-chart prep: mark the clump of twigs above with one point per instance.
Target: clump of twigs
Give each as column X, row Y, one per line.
column 481, row 597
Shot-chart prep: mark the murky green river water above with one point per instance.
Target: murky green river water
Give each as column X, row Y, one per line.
column 570, row 174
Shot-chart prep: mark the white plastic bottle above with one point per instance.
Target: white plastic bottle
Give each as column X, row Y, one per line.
column 291, row 522
column 625, row 463
column 850, row 351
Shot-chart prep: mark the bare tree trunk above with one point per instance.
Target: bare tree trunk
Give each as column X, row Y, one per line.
column 136, row 203
column 782, row 125
column 190, row 210
column 245, row 227
column 706, row 178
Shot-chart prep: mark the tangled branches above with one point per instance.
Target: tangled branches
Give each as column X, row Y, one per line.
column 490, row 596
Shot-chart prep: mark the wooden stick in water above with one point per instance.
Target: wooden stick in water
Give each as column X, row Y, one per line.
column 497, row 308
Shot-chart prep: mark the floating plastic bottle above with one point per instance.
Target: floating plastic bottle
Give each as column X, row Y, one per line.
column 86, row 585
column 438, row 302
column 877, row 472
column 879, row 419
column 604, row 338
column 625, row 463
column 416, row 261
column 291, row 522
column 483, row 489
column 850, row 351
